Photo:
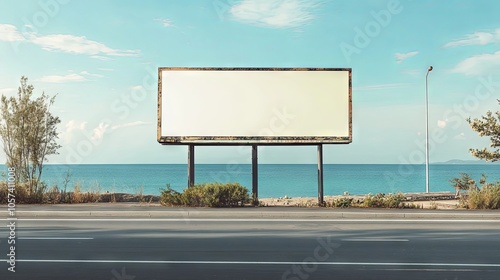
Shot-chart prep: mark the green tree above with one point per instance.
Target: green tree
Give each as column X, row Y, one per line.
column 465, row 182
column 29, row 133
column 489, row 126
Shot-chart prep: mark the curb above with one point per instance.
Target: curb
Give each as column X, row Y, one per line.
column 204, row 214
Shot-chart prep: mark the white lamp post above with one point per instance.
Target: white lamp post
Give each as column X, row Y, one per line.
column 427, row 131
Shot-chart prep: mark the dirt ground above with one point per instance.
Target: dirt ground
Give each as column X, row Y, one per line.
column 421, row 200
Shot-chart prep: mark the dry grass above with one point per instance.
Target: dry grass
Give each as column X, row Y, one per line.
column 487, row 197
column 433, row 205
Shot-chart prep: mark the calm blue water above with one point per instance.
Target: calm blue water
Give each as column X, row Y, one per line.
column 275, row 180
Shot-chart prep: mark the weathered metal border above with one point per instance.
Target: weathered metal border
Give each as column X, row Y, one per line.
column 249, row 140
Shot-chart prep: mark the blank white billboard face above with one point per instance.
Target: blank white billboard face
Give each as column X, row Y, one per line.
column 254, row 106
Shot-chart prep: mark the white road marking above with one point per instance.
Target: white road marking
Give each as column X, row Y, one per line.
column 264, row 263
column 374, row 240
column 55, row 238
column 257, row 220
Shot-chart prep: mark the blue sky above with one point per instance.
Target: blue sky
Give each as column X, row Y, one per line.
column 101, row 58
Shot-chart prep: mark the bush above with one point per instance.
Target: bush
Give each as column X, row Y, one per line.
column 41, row 194
column 381, row 200
column 207, row 195
column 486, row 198
column 394, row 200
column 22, row 193
column 53, row 195
column 342, row 202
column 90, row 196
column 371, row 200
column 170, row 197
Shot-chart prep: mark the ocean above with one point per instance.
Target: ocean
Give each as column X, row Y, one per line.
column 275, row 180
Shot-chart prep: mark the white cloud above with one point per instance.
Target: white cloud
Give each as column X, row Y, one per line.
column 477, row 38
column 78, row 45
column 380, row 87
column 65, row 43
column 400, row 57
column 75, row 125
column 85, row 73
column 480, row 64
column 275, row 13
column 130, row 124
column 9, row 33
column 441, row 123
column 62, row 79
column 100, row 57
column 98, row 132
column 70, row 127
column 165, row 22
column 69, row 77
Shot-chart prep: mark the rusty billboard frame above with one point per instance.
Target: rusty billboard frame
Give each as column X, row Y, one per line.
column 250, row 140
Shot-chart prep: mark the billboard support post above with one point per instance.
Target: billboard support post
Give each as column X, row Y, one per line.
column 255, row 176
column 190, row 165
column 320, row 175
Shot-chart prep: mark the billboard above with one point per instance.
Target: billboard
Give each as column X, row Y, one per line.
column 246, row 106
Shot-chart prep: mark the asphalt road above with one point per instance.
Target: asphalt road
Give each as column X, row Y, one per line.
column 252, row 248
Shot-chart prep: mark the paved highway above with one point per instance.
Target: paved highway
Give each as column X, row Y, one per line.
column 119, row 248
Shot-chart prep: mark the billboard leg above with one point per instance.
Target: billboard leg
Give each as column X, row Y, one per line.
column 191, row 165
column 320, row 175
column 255, row 176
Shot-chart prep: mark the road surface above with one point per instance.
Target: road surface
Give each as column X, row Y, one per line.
column 141, row 248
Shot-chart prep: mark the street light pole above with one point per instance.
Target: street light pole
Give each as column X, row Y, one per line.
column 427, row 131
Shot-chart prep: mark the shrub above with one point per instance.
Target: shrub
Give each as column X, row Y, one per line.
column 93, row 194
column 41, row 193
column 22, row 194
column 394, row 200
column 381, row 200
column 343, row 202
column 206, row 195
column 53, row 195
column 485, row 198
column 76, row 195
column 371, row 200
